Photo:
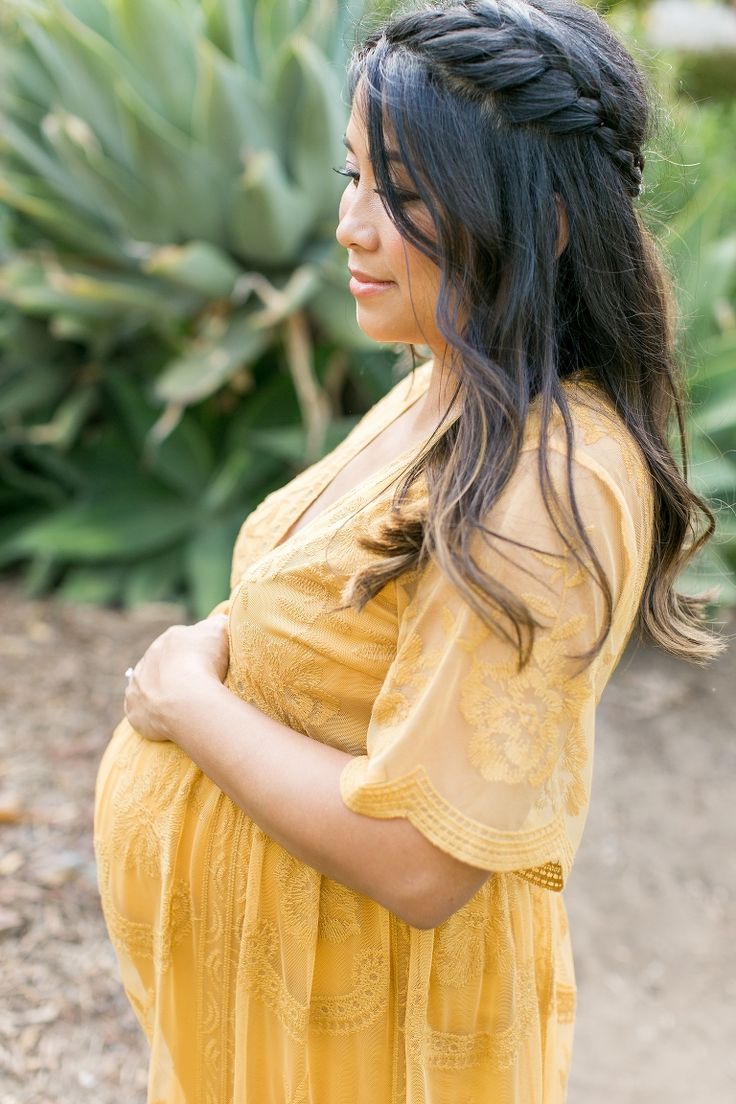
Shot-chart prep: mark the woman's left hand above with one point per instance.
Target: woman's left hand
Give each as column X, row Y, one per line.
column 177, row 666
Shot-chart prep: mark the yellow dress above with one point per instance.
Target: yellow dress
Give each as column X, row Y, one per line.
column 259, row 981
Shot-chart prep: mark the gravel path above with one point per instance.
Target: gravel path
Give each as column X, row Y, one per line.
column 652, row 897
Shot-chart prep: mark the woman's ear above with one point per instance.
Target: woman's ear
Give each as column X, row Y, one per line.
column 563, row 225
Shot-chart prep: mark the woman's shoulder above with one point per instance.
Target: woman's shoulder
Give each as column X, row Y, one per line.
column 601, row 440
column 606, row 459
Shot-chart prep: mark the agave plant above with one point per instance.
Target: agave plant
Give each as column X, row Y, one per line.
column 168, row 259
column 175, row 155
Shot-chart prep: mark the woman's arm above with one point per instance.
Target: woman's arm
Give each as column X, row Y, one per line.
column 288, row 783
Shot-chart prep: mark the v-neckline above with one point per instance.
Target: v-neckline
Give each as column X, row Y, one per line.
column 289, row 534
column 421, row 378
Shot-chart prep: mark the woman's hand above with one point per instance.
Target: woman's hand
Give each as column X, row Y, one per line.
column 179, row 665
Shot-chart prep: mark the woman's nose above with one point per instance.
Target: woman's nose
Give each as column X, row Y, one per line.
column 354, row 227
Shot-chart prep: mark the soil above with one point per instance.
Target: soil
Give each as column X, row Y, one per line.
column 651, row 899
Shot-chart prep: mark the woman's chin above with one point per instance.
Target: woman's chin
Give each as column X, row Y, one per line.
column 382, row 332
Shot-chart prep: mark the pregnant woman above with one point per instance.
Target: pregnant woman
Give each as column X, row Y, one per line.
column 333, row 829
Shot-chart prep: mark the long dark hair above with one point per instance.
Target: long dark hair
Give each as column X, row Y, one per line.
column 496, row 108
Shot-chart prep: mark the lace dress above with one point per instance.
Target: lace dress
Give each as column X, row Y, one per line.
column 259, row 981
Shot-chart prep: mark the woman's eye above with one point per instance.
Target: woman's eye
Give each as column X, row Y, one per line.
column 401, row 195
column 343, row 170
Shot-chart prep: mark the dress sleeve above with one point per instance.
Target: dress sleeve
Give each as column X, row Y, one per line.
column 492, row 764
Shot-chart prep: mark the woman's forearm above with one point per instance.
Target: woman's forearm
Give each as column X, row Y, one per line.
column 288, row 784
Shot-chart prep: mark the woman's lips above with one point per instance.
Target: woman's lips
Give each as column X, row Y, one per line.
column 362, row 286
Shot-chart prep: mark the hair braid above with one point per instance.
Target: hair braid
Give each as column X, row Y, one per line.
column 515, row 54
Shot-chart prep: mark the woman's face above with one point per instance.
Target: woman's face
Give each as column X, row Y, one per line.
column 395, row 286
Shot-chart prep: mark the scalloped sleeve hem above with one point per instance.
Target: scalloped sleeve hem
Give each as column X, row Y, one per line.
column 540, row 855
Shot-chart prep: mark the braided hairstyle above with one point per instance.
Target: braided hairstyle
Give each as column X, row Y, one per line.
column 535, row 71
column 501, row 112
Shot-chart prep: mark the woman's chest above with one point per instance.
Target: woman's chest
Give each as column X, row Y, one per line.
column 362, row 470
column 298, row 652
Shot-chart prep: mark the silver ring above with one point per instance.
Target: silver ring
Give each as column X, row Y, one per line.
column 129, row 674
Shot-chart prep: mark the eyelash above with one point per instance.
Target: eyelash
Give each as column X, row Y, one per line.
column 352, row 173
column 404, row 197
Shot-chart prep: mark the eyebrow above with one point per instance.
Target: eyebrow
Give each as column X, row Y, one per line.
column 390, row 154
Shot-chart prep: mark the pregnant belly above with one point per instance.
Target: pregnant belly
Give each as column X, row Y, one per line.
column 173, row 856
column 154, row 814
column 142, row 791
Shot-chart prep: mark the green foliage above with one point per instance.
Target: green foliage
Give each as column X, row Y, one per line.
column 167, row 214
column 709, row 76
column 690, row 205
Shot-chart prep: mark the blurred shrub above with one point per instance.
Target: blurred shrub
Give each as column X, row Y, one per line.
column 689, row 203
column 709, row 76
column 176, row 333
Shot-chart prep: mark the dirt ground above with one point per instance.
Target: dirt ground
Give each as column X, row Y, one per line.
column 652, row 897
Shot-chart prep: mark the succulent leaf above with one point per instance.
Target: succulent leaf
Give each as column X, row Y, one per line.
column 158, row 38
column 211, row 359
column 269, row 217
column 198, row 265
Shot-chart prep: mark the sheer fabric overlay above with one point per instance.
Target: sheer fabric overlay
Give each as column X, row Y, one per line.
column 259, row 981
